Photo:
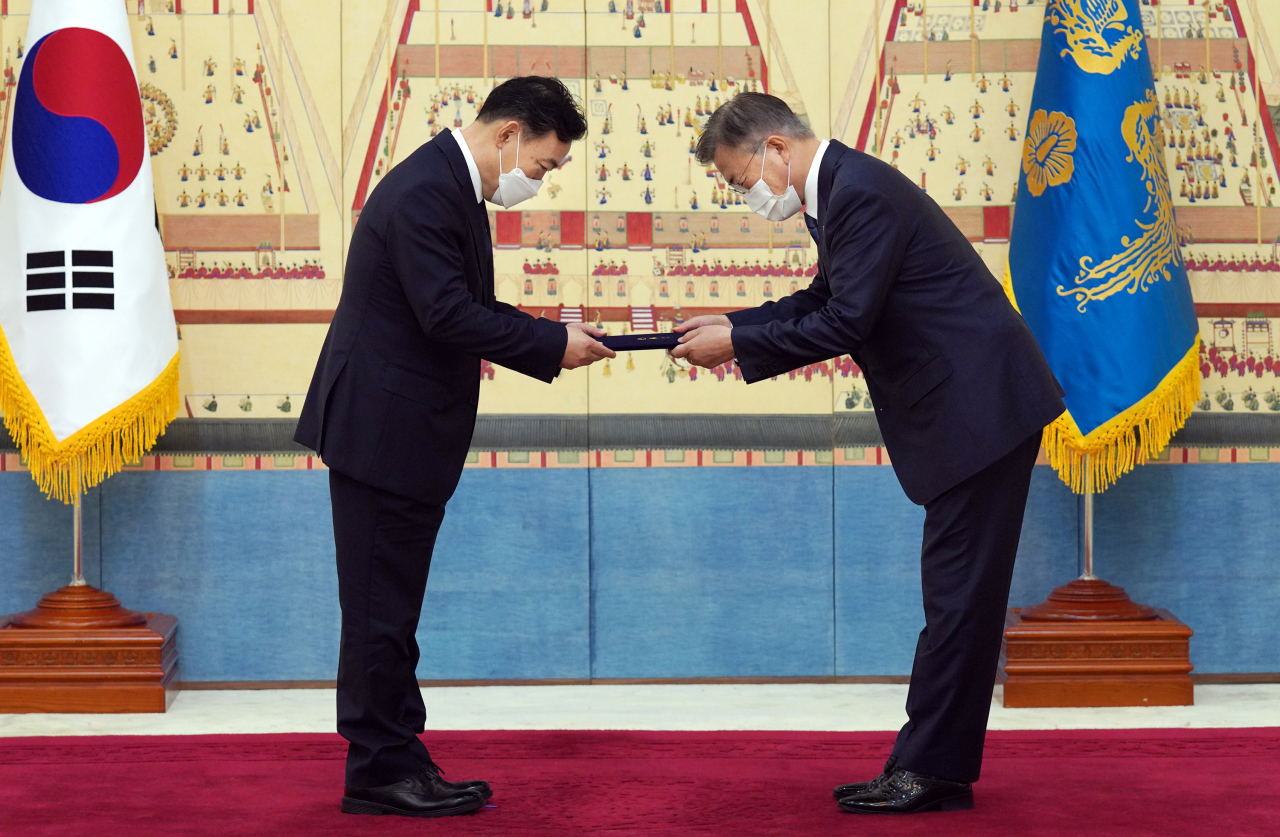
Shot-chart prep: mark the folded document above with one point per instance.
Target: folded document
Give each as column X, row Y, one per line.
column 633, row 342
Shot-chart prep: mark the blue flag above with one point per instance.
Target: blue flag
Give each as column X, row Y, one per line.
column 1094, row 260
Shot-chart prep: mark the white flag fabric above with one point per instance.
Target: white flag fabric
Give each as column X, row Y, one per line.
column 88, row 345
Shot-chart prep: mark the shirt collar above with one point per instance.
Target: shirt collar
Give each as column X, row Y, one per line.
column 811, row 183
column 471, row 163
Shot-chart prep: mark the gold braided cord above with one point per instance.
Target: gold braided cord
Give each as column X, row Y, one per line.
column 90, row 455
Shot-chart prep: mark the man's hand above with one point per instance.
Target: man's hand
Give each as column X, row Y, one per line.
column 583, row 349
column 704, row 320
column 706, row 345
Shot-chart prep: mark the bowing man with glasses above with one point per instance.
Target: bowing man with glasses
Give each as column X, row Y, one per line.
column 961, row 392
column 392, row 407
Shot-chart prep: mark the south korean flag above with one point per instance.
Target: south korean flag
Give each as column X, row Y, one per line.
column 88, row 346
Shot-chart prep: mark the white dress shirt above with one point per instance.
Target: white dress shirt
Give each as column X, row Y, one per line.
column 811, row 183
column 475, row 172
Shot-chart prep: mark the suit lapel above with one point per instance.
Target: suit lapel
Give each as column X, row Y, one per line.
column 477, row 216
column 826, row 176
column 480, row 237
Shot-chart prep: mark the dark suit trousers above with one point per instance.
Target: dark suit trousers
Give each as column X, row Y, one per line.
column 384, row 543
column 971, row 536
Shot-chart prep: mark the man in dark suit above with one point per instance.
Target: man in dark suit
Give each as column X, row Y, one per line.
column 961, row 392
column 392, row 407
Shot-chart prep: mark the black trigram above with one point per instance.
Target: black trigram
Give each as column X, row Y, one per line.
column 90, row 269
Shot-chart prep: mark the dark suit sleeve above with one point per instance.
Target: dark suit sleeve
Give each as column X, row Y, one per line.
column 867, row 240
column 424, row 239
column 511, row 311
column 789, row 307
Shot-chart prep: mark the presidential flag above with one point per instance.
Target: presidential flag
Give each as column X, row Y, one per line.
column 1094, row 259
column 88, row 345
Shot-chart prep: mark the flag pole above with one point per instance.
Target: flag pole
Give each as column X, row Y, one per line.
column 77, row 547
column 1078, row 647
column 1088, row 524
column 78, row 649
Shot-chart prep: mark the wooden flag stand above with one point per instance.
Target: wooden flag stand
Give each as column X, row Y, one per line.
column 1089, row 644
column 79, row 650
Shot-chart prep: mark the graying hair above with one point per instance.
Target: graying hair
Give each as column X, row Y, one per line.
column 744, row 122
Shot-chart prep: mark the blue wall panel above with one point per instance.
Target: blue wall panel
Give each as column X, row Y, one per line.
column 35, row 542
column 879, row 605
column 1204, row 542
column 1049, row 550
column 508, row 595
column 877, row 572
column 250, row 573
column 671, row 572
column 710, row 572
column 243, row 559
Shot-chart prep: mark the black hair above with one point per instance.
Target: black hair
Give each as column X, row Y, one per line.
column 540, row 104
column 744, row 122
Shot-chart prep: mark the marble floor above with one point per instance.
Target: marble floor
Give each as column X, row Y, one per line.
column 651, row 707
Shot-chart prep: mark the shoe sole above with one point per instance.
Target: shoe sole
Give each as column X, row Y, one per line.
column 360, row 806
column 963, row 802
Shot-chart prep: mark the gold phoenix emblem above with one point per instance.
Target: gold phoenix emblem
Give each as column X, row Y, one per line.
column 1098, row 38
column 1046, row 151
column 1146, row 259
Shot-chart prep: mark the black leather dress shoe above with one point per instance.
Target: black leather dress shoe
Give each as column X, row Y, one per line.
column 904, row 792
column 475, row 785
column 852, row 788
column 421, row 795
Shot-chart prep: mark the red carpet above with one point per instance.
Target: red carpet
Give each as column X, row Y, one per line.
column 1090, row 783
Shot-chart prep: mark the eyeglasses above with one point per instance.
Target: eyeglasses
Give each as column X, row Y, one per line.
column 742, row 190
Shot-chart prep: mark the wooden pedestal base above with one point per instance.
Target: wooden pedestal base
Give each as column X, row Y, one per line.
column 79, row 651
column 1055, row 654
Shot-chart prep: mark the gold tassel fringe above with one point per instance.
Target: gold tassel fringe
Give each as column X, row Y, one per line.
column 1116, row 447
column 1007, row 284
column 66, row 469
column 1129, row 439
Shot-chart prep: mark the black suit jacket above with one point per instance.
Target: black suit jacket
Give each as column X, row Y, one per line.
column 955, row 375
column 393, row 399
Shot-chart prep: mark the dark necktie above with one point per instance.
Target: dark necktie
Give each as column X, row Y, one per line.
column 813, row 229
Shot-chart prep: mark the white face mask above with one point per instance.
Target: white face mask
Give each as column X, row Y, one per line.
column 514, row 186
column 766, row 204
